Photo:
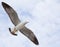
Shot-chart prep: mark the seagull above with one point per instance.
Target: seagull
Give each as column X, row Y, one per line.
column 19, row 25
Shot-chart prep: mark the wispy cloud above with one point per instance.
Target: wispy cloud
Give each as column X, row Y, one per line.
column 44, row 17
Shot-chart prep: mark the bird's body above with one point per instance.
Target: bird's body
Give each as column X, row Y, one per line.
column 18, row 25
column 21, row 25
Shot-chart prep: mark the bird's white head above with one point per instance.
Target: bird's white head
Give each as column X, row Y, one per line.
column 25, row 22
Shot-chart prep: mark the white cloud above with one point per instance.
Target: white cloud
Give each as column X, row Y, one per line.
column 44, row 19
column 46, row 15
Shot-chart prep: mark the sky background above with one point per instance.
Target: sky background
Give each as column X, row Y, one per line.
column 44, row 21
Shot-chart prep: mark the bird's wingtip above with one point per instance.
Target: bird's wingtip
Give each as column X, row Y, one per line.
column 5, row 5
column 36, row 41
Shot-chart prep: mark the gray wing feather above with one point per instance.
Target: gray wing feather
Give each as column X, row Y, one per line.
column 11, row 13
column 15, row 20
column 30, row 35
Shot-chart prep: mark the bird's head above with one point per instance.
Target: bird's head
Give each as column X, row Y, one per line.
column 24, row 22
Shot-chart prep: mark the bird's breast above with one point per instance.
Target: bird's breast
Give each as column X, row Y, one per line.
column 20, row 26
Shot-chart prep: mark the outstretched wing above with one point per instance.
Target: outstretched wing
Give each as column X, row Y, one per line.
column 27, row 32
column 11, row 13
column 15, row 20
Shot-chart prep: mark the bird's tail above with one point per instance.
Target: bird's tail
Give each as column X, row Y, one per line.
column 12, row 32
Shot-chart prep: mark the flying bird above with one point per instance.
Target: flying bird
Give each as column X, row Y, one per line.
column 19, row 25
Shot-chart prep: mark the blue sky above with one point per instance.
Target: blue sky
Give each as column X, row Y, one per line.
column 44, row 21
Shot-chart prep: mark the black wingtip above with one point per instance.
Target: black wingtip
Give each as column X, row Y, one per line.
column 5, row 5
column 36, row 41
column 12, row 32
